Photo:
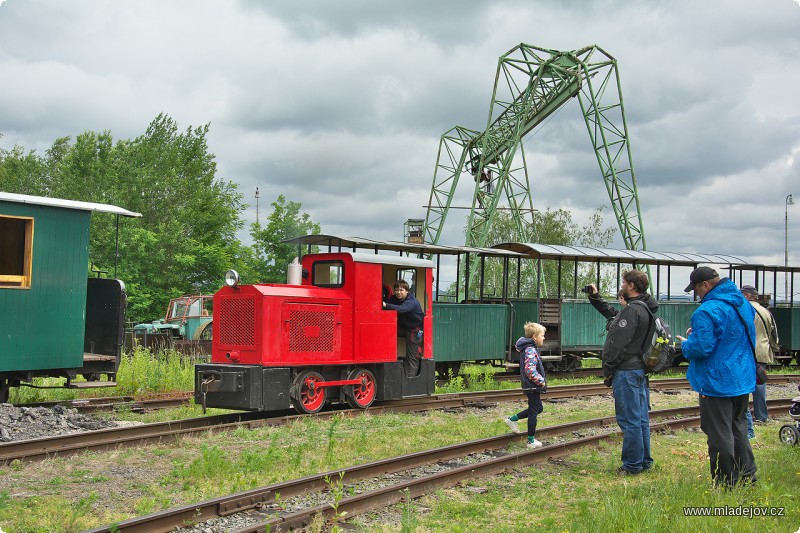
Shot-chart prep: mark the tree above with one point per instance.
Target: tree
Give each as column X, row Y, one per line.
column 186, row 237
column 550, row 227
column 21, row 173
column 272, row 255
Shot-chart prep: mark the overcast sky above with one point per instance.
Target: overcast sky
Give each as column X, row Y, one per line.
column 340, row 104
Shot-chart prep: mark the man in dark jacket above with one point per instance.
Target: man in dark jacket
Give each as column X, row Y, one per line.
column 409, row 323
column 722, row 369
column 623, row 368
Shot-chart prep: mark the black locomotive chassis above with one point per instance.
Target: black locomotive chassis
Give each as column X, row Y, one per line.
column 258, row 388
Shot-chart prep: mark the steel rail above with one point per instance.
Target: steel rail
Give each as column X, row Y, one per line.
column 42, row 448
column 114, row 438
column 118, row 403
column 597, row 372
column 168, row 519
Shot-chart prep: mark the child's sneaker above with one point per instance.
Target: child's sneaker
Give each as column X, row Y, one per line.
column 535, row 444
column 512, row 424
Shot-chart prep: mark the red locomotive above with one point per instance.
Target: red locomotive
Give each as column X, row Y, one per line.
column 324, row 337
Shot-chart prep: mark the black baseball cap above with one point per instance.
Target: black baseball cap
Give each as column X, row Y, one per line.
column 700, row 275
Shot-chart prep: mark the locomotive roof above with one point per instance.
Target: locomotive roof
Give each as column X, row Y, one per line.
column 607, row 255
column 354, row 243
column 66, row 204
column 385, row 259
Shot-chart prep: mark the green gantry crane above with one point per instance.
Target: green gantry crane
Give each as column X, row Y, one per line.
column 530, row 85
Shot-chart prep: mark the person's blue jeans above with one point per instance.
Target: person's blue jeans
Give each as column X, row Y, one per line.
column 760, row 403
column 631, row 407
column 751, row 432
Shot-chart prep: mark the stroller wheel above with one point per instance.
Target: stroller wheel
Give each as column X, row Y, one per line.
column 789, row 435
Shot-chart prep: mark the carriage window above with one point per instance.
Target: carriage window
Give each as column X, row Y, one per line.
column 16, row 251
column 328, row 274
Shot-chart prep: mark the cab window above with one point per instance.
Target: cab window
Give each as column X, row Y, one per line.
column 194, row 307
column 327, row 274
column 16, row 252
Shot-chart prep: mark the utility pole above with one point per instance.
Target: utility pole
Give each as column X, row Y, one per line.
column 789, row 201
column 258, row 195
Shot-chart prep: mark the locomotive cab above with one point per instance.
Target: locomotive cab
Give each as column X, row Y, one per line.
column 327, row 339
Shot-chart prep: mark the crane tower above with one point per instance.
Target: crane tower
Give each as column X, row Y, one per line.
column 530, row 85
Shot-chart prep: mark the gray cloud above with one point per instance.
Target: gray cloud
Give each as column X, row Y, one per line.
column 340, row 105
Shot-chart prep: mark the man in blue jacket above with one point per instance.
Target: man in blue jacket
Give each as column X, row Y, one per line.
column 719, row 347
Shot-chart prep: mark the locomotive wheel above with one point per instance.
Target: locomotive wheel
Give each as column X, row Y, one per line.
column 789, row 435
column 361, row 396
column 307, row 395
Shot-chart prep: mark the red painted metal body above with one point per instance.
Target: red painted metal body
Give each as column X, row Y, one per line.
column 334, row 320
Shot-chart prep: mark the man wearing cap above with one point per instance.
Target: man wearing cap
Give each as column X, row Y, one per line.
column 766, row 338
column 722, row 370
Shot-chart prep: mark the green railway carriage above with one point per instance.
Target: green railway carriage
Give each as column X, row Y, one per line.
column 54, row 320
column 463, row 333
column 575, row 328
column 472, row 326
column 788, row 321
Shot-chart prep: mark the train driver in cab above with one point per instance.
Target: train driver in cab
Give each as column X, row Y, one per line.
column 409, row 323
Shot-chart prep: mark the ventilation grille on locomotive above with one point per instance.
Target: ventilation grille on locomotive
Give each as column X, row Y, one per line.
column 237, row 326
column 312, row 331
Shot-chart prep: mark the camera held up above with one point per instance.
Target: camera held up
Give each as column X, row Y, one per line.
column 587, row 289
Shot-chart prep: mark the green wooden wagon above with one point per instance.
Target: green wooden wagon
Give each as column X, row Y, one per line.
column 55, row 321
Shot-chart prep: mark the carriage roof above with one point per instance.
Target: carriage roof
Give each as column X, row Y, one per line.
column 610, row 255
column 340, row 243
column 66, row 204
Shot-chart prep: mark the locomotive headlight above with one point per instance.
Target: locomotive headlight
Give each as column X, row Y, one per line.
column 231, row 278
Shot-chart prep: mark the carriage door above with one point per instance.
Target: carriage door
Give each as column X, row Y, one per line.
column 550, row 317
column 105, row 325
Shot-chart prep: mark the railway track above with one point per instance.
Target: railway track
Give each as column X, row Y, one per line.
column 598, row 372
column 119, row 403
column 182, row 398
column 112, row 438
column 129, row 436
column 390, row 480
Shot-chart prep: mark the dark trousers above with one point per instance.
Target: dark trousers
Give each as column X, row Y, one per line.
column 413, row 350
column 534, row 408
column 724, row 421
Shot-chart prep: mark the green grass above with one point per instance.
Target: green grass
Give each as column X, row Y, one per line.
column 576, row 493
column 141, row 372
column 583, row 494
